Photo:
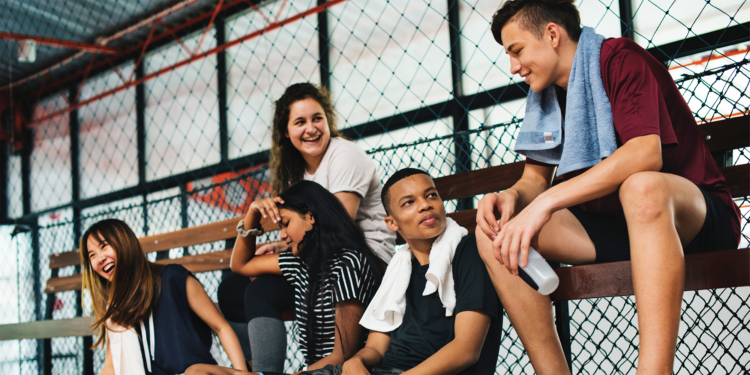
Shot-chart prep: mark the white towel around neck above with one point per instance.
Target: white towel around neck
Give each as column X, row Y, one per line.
column 386, row 310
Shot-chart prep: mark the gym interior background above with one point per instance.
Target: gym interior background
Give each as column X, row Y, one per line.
column 158, row 112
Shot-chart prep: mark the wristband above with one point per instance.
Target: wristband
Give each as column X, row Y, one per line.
column 257, row 232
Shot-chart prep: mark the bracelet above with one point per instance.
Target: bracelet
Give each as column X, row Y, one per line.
column 257, row 232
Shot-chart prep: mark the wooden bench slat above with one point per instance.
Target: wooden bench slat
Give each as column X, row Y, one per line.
column 46, row 329
column 738, row 179
column 719, row 135
column 212, row 261
column 219, row 231
column 717, row 269
column 726, row 134
column 481, row 181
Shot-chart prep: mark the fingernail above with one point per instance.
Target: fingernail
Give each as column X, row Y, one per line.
column 493, row 236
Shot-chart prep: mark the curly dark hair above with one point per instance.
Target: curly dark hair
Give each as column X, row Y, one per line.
column 287, row 164
column 534, row 15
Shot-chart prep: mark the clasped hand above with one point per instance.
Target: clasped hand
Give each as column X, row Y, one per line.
column 511, row 234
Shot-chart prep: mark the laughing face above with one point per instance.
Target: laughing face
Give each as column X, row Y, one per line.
column 102, row 256
column 308, row 128
column 532, row 58
column 416, row 210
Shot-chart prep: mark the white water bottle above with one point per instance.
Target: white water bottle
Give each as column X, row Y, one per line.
column 538, row 273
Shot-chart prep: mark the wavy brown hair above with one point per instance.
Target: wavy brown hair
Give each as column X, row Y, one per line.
column 135, row 285
column 287, row 164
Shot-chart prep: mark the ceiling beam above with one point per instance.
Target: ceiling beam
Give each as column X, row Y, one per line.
column 62, row 43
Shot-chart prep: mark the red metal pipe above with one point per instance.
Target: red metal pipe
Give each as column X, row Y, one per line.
column 213, row 51
column 208, row 27
column 94, row 48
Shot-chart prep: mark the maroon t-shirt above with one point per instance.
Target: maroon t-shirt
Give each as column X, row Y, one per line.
column 645, row 100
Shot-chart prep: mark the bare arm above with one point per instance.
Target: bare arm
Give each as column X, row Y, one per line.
column 243, row 260
column 640, row 154
column 350, row 201
column 463, row 351
column 202, row 306
column 109, row 367
column 349, row 335
column 370, row 356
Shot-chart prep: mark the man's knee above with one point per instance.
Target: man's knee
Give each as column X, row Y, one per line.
column 645, row 196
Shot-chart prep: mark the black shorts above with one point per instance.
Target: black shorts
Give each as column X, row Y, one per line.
column 609, row 232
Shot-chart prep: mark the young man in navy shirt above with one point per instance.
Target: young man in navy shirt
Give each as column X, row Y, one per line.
column 658, row 196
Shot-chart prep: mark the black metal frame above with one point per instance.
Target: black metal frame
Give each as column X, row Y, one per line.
column 460, row 115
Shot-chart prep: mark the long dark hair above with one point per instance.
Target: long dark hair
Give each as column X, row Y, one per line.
column 136, row 282
column 332, row 232
column 287, row 164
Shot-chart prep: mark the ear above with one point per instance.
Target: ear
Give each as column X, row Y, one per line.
column 553, row 34
column 392, row 225
column 309, row 217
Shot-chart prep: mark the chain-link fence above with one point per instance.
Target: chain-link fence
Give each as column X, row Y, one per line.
column 173, row 130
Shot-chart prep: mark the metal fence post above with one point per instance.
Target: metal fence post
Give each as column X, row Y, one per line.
column 460, row 114
column 323, row 56
column 183, row 215
column 6, row 122
column 562, row 324
column 221, row 75
column 626, row 19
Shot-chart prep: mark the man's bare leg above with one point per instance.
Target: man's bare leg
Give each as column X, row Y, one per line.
column 663, row 211
column 562, row 239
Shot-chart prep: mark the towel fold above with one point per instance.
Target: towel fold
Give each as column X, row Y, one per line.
column 386, row 310
column 587, row 134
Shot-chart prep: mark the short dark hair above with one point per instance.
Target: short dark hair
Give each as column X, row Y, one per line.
column 534, row 15
column 385, row 196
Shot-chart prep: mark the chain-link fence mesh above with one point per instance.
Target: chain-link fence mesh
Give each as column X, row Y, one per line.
column 177, row 137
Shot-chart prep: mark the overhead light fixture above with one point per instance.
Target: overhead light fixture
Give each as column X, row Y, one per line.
column 26, row 51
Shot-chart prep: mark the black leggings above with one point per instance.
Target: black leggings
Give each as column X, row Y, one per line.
column 241, row 300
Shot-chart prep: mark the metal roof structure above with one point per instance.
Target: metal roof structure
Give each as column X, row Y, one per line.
column 73, row 35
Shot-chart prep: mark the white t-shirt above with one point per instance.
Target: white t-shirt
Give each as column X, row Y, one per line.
column 346, row 168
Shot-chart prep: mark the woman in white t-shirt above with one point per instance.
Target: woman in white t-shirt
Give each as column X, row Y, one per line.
column 306, row 145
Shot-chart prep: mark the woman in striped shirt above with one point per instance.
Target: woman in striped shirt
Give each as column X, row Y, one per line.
column 332, row 268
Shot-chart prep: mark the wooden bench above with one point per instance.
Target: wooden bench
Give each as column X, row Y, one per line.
column 722, row 269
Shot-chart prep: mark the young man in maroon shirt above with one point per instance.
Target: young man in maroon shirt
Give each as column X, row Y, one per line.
column 659, row 196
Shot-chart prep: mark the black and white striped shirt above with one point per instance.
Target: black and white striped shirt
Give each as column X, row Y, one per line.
column 350, row 276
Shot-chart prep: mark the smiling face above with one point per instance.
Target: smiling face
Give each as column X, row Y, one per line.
column 308, row 128
column 102, row 256
column 293, row 228
column 534, row 59
column 416, row 210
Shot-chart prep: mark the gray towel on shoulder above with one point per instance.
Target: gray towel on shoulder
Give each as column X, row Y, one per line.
column 589, row 132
